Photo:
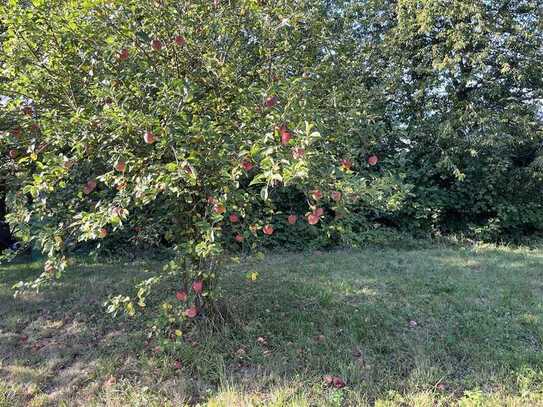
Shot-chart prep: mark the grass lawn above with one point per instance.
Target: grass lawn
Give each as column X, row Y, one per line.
column 477, row 340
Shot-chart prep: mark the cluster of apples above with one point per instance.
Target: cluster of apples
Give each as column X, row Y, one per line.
column 313, row 217
column 182, row 295
column 347, row 165
column 17, row 132
column 156, row 45
column 285, row 136
column 91, row 184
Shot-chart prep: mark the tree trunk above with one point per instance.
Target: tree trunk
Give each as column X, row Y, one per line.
column 6, row 238
column 3, row 193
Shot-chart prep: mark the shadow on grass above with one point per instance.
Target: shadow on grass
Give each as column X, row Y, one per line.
column 439, row 321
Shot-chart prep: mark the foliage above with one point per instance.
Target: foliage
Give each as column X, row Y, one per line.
column 461, row 94
column 177, row 123
column 217, row 128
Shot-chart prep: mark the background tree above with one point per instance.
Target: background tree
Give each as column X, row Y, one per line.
column 458, row 86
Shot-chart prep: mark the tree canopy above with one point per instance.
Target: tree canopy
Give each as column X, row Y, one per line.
column 215, row 126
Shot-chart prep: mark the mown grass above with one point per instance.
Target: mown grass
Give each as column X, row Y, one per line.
column 477, row 341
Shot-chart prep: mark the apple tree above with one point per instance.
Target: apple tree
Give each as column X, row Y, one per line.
column 186, row 120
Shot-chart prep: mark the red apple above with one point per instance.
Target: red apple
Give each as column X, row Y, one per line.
column 292, row 219
column 316, row 194
column 234, row 218
column 89, row 187
column 177, row 365
column 13, row 154
column 198, row 286
column 103, row 232
column 314, row 217
column 211, row 200
column 191, row 312
column 247, row 165
column 338, row 383
column 16, row 132
column 239, row 238
column 156, row 44
column 121, row 166
column 27, row 110
column 180, row 40
column 285, row 138
column 270, row 101
column 181, row 296
column 373, row 160
column 335, row 381
column 285, row 135
column 268, row 230
column 149, row 137
column 336, row 196
column 123, row 55
column 346, row 164
column 298, row 152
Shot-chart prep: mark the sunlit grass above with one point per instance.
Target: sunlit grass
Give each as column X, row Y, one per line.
column 477, row 339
